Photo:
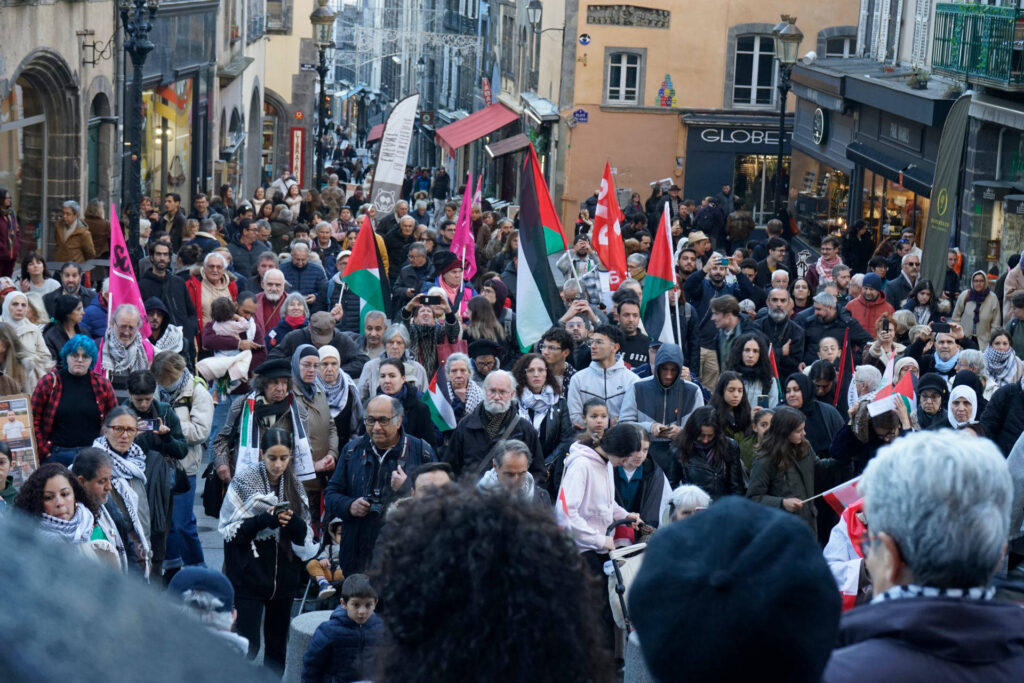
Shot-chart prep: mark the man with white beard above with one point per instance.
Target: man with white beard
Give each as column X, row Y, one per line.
column 496, row 419
column 786, row 337
column 270, row 301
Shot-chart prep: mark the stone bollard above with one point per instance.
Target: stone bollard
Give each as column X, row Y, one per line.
column 299, row 634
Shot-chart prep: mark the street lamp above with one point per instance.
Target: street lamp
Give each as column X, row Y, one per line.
column 533, row 12
column 787, row 46
column 137, row 18
column 322, row 19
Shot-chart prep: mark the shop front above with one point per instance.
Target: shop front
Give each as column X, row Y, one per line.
column 737, row 150
column 167, row 149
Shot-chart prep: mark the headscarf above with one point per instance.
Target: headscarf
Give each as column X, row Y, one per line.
column 902, row 363
column 76, row 530
column 819, row 435
column 962, row 391
column 977, row 298
column 966, row 378
column 307, row 389
column 338, row 391
column 1000, row 366
column 22, row 326
column 934, row 382
column 120, row 358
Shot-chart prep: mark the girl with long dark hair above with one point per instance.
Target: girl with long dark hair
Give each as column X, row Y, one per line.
column 707, row 458
column 922, row 303
column 783, row 472
column 729, row 400
column 265, row 523
column 749, row 357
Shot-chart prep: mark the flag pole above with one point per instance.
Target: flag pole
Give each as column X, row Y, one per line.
column 679, row 327
column 462, row 284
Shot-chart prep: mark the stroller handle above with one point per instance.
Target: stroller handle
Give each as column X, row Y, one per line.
column 618, row 523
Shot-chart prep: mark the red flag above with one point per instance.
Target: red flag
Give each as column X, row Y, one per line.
column 607, row 235
column 845, row 369
column 842, row 496
column 124, row 288
column 883, row 401
column 775, row 371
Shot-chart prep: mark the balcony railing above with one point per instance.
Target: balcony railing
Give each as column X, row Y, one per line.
column 980, row 43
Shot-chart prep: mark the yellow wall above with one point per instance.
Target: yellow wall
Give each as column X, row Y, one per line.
column 283, row 50
column 643, row 142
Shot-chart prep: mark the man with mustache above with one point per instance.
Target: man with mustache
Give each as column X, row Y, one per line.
column 786, row 337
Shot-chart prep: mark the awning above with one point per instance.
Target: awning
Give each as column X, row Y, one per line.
column 507, row 146
column 342, row 95
column 375, row 133
column 474, row 127
column 915, row 178
column 234, row 68
column 540, row 109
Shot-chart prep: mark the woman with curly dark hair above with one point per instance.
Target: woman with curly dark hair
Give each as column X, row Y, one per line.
column 65, row 512
column 541, row 402
column 458, row 573
column 749, row 357
column 707, row 458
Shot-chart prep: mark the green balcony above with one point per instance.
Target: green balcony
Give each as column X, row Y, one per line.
column 980, row 43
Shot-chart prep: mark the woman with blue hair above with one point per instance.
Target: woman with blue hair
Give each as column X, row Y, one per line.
column 70, row 403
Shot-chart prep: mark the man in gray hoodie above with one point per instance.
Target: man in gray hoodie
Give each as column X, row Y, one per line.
column 606, row 378
column 662, row 403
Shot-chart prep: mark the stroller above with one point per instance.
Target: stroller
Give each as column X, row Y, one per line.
column 621, row 568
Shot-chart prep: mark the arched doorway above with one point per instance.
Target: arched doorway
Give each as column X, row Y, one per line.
column 40, row 145
column 98, row 144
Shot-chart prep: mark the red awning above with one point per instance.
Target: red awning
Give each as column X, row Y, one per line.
column 475, row 126
column 375, row 133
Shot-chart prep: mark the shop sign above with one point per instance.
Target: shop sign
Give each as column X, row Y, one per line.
column 297, row 153
column 485, row 86
column 712, row 138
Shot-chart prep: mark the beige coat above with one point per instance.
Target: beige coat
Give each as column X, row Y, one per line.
column 196, row 422
column 323, row 434
column 989, row 318
column 78, row 247
column 1014, row 281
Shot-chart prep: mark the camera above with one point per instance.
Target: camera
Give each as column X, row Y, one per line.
column 376, row 503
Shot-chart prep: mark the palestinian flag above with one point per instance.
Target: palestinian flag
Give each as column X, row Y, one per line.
column 655, row 306
column 775, row 373
column 538, row 303
column 439, row 400
column 555, row 240
column 842, row 496
column 363, row 274
column 884, row 399
column 845, row 378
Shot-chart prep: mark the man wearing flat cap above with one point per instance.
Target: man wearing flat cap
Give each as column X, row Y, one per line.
column 321, row 331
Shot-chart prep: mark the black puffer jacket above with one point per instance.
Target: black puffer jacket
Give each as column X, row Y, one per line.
column 722, row 478
column 1004, row 416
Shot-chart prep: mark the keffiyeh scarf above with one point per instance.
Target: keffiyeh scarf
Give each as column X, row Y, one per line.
column 171, row 340
column 538, row 404
column 251, row 494
column 474, row 397
column 76, row 530
column 131, row 465
column 1000, row 365
column 914, row 591
column 119, row 358
column 337, row 393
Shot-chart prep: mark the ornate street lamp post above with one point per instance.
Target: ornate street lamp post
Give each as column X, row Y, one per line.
column 322, row 19
column 787, row 46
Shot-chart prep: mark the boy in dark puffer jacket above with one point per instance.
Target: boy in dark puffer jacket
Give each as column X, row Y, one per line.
column 344, row 647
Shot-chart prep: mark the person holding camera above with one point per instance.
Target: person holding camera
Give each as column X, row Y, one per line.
column 265, row 523
column 372, row 472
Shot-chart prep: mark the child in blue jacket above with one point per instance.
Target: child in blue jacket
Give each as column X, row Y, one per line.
column 344, row 647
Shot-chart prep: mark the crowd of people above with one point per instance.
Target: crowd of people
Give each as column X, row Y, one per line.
column 311, row 427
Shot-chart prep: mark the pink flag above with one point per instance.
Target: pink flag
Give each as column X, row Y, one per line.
column 478, row 196
column 463, row 244
column 124, row 288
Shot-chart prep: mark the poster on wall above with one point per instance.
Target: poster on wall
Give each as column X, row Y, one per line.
column 16, row 431
column 297, row 153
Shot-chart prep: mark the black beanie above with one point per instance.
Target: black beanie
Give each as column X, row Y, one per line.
column 737, row 592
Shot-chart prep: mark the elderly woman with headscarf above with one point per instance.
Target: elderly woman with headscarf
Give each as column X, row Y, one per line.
column 323, row 433
column 823, row 420
column 342, row 394
column 396, row 345
column 35, row 355
column 123, row 350
column 903, row 366
column 963, row 406
column 70, row 402
column 970, row 378
column 932, row 392
column 977, row 310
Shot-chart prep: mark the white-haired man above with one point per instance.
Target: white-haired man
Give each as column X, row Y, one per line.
column 497, row 418
column 123, row 349
column 937, row 506
column 270, row 302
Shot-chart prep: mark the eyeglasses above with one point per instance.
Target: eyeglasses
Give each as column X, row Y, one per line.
column 500, row 393
column 370, row 420
column 117, row 429
column 551, row 348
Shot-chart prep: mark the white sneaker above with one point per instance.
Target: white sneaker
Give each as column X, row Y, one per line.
column 327, row 591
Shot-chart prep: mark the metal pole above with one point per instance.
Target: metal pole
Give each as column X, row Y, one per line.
column 138, row 46
column 321, row 69
column 783, row 95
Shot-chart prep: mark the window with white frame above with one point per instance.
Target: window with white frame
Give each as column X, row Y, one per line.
column 624, row 78
column 754, row 76
column 841, row 46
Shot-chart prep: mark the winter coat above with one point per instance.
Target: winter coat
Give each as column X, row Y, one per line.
column 823, row 420
column 555, row 432
column 1003, row 418
column 172, row 291
column 342, row 650
column 94, row 319
column 79, row 246
column 412, row 278
column 589, row 489
column 835, row 328
column 989, row 318
column 898, row 289
column 243, row 258
column 194, row 408
column 780, row 333
column 369, row 378
column 194, row 286
column 868, row 312
column 647, row 402
column 651, row 495
column 357, row 476
column 282, row 330
column 323, row 434
column 306, row 280
column 769, row 486
column 470, row 445
column 610, row 385
column 417, row 421
column 723, row 478
column 1014, row 281
column 265, row 569
column 935, row 639
column 328, row 255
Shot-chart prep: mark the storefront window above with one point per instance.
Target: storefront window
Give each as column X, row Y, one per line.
column 22, row 151
column 888, row 207
column 167, row 139
column 754, row 180
column 822, row 197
